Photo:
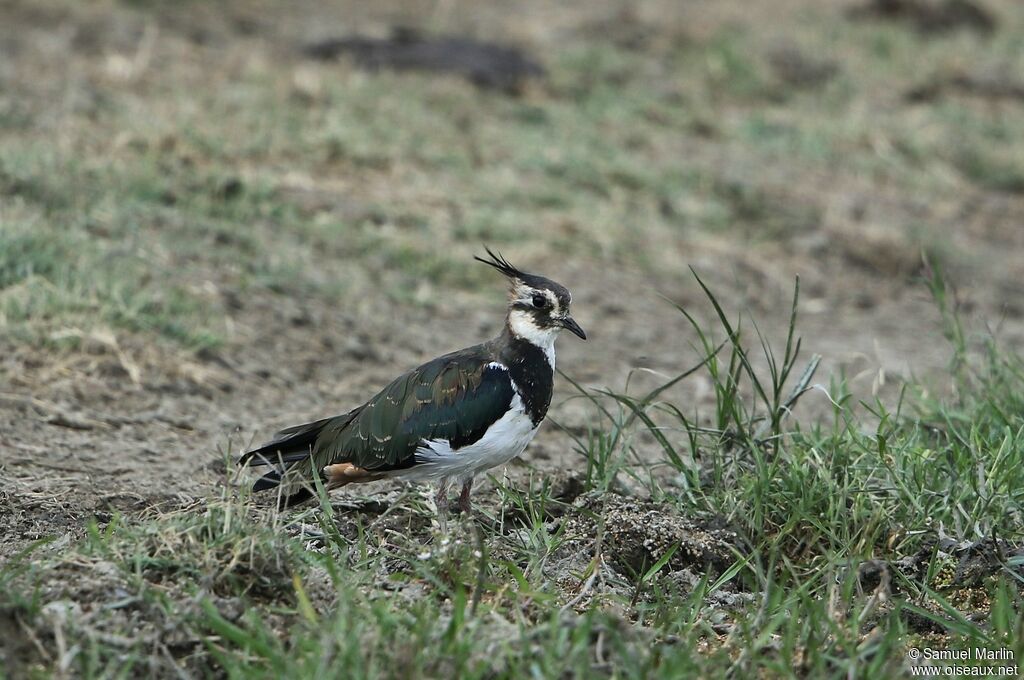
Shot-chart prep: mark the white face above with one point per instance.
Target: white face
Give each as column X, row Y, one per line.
column 531, row 316
column 524, row 325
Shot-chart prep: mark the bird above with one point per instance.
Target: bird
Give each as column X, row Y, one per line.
column 446, row 421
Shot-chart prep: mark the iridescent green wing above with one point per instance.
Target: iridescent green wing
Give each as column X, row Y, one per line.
column 456, row 398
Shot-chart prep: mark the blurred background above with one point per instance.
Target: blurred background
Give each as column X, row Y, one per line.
column 217, row 218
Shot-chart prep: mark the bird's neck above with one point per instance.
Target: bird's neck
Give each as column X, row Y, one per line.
column 520, row 327
column 531, row 366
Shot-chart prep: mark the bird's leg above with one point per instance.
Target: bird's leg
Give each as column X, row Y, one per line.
column 441, row 501
column 467, row 488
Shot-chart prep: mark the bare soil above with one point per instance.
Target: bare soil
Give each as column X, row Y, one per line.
column 127, row 422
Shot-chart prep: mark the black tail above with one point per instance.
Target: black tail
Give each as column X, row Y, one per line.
column 288, row 445
column 272, row 480
column 291, row 446
column 300, row 496
column 268, row 481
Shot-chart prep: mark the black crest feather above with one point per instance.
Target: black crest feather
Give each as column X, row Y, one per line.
column 501, row 264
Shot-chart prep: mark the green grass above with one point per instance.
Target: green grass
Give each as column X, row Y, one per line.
column 813, row 506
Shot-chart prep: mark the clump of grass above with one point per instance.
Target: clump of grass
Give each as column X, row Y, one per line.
column 817, row 502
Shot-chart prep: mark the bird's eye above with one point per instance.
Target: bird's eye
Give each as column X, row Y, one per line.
column 539, row 301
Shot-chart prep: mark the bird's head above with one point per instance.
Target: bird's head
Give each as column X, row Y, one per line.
column 538, row 307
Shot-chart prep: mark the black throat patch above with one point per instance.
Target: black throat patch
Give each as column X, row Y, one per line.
column 529, row 369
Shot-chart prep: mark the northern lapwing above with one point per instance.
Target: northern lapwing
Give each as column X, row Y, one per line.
column 448, row 420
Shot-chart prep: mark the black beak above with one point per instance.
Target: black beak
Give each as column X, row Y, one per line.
column 570, row 324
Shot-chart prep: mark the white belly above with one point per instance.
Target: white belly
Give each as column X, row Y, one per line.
column 503, row 441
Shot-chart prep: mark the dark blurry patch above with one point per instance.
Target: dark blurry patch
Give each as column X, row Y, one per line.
column 986, row 86
column 990, row 171
column 929, row 16
column 229, row 189
column 486, row 65
column 872, row 574
column 798, row 70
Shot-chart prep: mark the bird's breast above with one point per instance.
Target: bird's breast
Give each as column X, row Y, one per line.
column 505, row 439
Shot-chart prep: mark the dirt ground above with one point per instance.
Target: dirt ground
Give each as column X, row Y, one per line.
column 124, row 421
